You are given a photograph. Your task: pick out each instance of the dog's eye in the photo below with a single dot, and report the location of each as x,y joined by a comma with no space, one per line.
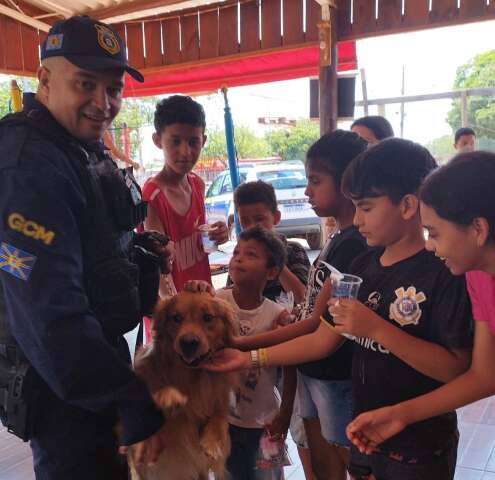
176,317
207,317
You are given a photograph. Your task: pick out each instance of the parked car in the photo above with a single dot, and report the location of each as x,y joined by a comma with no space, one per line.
289,181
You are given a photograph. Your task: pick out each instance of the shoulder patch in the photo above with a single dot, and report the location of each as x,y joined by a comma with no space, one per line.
17,222
15,261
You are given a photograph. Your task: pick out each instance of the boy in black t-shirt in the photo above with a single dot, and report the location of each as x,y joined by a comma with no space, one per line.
412,323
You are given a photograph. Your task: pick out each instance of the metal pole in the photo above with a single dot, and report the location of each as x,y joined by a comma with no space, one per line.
464,109
365,92
229,138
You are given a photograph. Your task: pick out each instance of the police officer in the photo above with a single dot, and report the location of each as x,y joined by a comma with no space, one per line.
73,276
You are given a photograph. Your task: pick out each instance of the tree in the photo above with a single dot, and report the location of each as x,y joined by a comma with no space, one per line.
248,144
479,72
294,142
135,113
442,148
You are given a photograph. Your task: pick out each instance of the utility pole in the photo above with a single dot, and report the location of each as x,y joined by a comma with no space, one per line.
364,88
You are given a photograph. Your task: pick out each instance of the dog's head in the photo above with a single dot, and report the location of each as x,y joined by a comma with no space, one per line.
195,325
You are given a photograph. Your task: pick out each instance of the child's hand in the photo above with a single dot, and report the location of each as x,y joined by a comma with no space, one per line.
228,360
199,286
371,428
240,343
279,426
219,232
354,318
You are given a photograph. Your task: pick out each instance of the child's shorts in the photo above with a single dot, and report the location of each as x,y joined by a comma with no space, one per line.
440,466
330,402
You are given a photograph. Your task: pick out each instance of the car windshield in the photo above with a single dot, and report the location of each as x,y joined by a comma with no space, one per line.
284,179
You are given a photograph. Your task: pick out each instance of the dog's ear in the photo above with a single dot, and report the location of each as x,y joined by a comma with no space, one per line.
160,314
227,313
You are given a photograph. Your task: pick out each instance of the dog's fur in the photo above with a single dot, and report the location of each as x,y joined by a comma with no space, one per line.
187,329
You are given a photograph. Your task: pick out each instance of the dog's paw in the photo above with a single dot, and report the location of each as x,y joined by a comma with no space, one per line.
169,398
212,447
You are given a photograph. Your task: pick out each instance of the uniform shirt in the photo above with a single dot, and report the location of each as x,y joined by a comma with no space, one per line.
420,296
481,287
190,260
339,251
297,262
42,207
255,402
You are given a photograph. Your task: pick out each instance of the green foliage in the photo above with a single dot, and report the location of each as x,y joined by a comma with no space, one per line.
479,72
293,143
247,143
135,113
442,148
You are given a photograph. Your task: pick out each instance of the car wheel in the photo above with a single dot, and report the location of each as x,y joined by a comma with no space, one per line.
314,240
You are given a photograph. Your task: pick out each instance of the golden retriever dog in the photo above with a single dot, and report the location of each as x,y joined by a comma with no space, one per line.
187,329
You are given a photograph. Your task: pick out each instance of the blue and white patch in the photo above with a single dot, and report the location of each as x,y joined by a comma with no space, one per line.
54,41
15,261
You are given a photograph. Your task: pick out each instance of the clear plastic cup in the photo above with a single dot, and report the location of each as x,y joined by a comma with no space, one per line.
209,246
345,285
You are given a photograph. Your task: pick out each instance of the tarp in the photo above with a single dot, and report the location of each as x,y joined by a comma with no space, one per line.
252,69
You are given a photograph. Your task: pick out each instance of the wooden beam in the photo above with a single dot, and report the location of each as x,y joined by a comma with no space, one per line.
328,102
144,8
16,15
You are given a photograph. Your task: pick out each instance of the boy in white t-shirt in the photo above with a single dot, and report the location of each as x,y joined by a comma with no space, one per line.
258,257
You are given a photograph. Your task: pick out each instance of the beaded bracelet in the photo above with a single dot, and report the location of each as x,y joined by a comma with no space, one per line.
255,363
259,358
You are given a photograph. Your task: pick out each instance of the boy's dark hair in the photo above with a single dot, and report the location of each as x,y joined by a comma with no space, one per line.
393,167
179,109
464,189
380,126
274,247
463,131
333,152
255,192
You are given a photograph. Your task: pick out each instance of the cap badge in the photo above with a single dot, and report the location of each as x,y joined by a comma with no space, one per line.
107,39
54,41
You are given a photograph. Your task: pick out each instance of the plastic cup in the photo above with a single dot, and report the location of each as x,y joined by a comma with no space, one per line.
209,246
345,285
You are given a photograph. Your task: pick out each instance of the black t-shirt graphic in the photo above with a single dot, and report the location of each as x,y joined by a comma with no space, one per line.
339,251
422,297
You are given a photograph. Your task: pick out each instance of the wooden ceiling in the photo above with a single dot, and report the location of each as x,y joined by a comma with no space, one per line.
162,33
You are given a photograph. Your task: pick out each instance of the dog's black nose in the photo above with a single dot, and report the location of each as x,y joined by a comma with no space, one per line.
189,345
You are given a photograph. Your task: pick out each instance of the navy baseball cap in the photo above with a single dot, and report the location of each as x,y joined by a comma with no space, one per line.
89,44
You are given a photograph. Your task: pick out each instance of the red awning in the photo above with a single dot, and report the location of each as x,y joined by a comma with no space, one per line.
249,70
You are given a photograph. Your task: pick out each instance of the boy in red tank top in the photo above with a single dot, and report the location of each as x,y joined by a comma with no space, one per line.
176,195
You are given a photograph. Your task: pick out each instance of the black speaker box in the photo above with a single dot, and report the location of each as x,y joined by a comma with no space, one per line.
346,97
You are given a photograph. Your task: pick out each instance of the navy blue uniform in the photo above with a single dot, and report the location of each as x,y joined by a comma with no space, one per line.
46,219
